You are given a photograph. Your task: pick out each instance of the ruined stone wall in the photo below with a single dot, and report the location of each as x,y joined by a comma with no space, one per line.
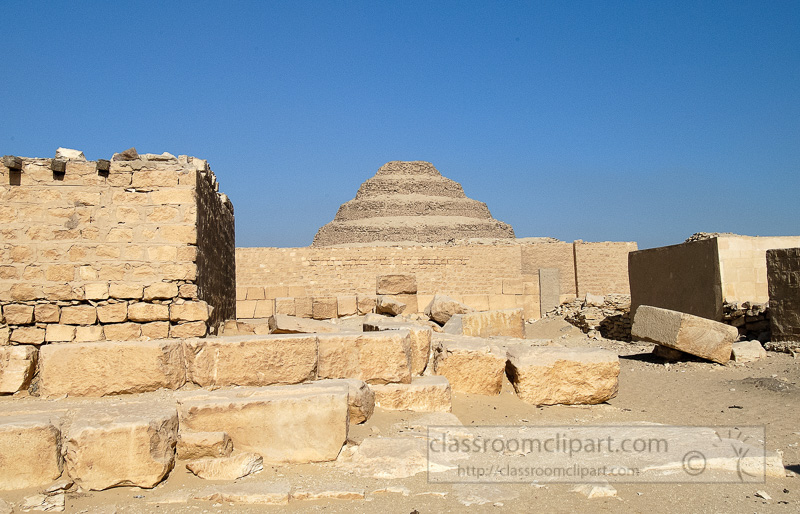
106,250
783,272
602,268
743,265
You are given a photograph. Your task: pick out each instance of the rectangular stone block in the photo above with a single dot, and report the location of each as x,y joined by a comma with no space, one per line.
142,312
251,360
122,331
111,367
156,330
47,313
374,357
96,291
125,290
423,394
30,446
479,302
282,324
396,284
324,307
272,292
420,338
27,335
189,311
17,365
78,315
59,333
303,307
18,314
284,306
254,293
283,424
113,312
347,305
160,291
507,322
245,309
549,290
690,334
264,309
470,364
366,304
89,333
188,329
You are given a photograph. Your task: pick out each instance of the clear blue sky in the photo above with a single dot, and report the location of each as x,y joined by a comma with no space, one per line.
637,121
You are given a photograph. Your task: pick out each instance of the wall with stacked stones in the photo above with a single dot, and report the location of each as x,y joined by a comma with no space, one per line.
105,250
783,272
743,265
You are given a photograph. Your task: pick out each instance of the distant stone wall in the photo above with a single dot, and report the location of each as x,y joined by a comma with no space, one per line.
112,250
783,273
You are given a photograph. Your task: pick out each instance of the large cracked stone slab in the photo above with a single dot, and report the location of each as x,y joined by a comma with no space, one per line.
30,451
423,394
110,367
17,365
680,331
374,357
547,375
508,322
420,339
285,324
283,424
251,360
121,445
470,364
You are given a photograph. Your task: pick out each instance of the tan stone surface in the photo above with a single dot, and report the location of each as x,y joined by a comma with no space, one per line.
125,290
361,397
142,312
27,335
227,468
156,330
508,322
284,306
396,284
198,445
748,351
59,333
111,367
420,339
47,313
89,333
78,315
324,307
188,329
283,324
253,493
366,304
547,375
375,357
30,451
122,331
342,492
189,311
17,365
442,308
147,432
347,305
470,364
18,314
389,305
281,423
113,313
160,291
423,394
251,360
690,334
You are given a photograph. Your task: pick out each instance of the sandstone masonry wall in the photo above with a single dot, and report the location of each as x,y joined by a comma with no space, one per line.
111,250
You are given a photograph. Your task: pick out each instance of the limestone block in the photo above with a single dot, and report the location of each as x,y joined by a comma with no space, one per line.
420,339
748,351
125,290
389,305
508,322
245,309
264,309
188,329
366,304
143,312
478,302
374,357
94,442
411,303
17,365
18,314
89,333
113,312
111,367
303,307
283,324
251,360
59,333
227,468
156,330
324,307
5,335
247,493
471,365
284,306
78,315
122,331
347,305
160,291
361,397
70,154
254,293
27,335
690,334
289,424
187,291
197,445
47,313
547,375
96,291
443,307
423,394
30,451
189,311
396,284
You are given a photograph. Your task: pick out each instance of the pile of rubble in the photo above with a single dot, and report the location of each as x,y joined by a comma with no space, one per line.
607,315
752,319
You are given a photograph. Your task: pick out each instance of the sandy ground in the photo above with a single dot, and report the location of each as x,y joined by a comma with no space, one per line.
684,393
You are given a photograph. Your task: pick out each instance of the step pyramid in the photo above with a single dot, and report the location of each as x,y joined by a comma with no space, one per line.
409,202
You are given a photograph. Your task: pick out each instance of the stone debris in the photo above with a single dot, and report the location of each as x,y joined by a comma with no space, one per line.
374,357
690,334
405,491
251,493
128,155
591,491
69,154
569,376
44,503
470,364
197,445
329,493
284,324
392,458
388,305
423,394
396,284
607,315
509,322
420,338
442,308
33,443
226,468
5,508
748,351
17,366
361,397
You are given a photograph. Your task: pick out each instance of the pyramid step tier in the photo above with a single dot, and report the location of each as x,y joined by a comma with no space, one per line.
411,205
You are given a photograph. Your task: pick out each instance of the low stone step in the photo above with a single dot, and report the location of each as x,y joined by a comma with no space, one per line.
420,338
374,357
423,394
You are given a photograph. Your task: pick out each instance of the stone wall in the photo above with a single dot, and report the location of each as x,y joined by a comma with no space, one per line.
783,273
112,250
483,276
743,265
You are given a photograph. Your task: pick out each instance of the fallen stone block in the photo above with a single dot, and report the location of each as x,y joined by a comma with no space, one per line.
17,365
389,305
508,322
423,394
374,357
545,375
471,365
442,308
108,368
252,493
283,324
30,451
197,445
690,334
420,339
396,284
44,502
361,397
227,468
748,351
251,360
122,445
366,304
289,424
